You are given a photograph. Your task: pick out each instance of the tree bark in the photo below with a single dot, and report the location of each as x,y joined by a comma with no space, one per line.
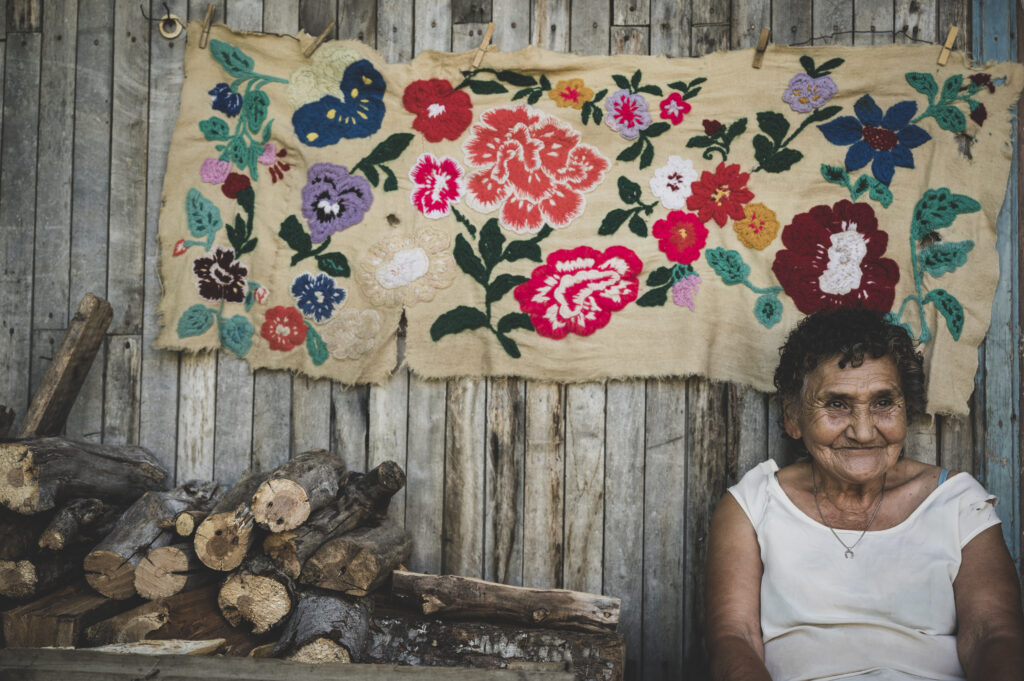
133,625
325,627
358,562
40,574
257,595
80,521
195,614
223,539
59,618
468,598
168,570
18,534
38,475
306,483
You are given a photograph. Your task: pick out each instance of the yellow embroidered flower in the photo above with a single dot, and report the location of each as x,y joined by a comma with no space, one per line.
758,227
571,92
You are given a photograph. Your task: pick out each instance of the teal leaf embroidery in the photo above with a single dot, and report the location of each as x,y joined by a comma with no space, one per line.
215,129
195,321
236,334
950,308
729,265
315,345
944,257
203,217
231,59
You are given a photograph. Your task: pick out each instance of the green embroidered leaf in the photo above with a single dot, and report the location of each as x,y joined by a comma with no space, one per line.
944,256
656,129
631,152
774,125
502,284
659,277
391,183
491,241
203,216
509,346
621,81
254,110
231,59
808,65
460,319
923,83
522,250
214,129
950,118
534,97
829,66
517,79
878,191
823,114
782,160
246,198
236,233
635,80
521,94
950,308
315,345
937,209
266,131
195,321
647,157
768,310
598,114
237,152
466,259
545,84
656,297
728,265
486,87
585,112
513,321
862,184
651,90
334,264
236,334
835,174
253,163
763,149
246,247
699,142
388,150
293,235
600,95
736,129
629,191
250,299
613,221
637,225
951,88
371,174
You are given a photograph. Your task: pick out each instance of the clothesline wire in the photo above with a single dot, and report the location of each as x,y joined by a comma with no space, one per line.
903,32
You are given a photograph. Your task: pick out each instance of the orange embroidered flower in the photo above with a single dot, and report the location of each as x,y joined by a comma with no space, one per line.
571,92
758,227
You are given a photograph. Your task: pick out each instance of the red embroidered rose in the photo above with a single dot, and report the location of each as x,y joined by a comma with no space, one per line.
577,290
720,195
711,127
681,236
532,166
234,184
441,112
833,258
283,328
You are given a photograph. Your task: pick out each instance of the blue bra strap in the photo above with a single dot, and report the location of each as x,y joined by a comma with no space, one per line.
942,476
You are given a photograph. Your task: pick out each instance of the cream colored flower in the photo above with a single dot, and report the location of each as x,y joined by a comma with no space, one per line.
321,76
352,333
403,270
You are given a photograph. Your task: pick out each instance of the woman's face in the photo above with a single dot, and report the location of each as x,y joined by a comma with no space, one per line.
853,421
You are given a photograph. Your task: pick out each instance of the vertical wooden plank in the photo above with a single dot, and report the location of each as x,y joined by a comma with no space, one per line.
17,215
197,412
917,18
956,443
350,424
463,544
590,25
434,25
550,24
584,486
747,431
467,36
922,440
395,27
122,389
511,24
425,474
25,16
665,502
833,22
670,23
244,15
955,13
315,16
503,478
544,485
747,20
631,12
45,343
282,16
711,25
791,22
388,427
877,17
357,20
471,11
629,39
311,414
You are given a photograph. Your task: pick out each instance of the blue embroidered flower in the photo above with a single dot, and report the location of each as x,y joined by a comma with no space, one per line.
317,297
356,112
885,141
226,100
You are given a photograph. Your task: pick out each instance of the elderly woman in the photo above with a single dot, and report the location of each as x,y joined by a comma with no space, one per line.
856,562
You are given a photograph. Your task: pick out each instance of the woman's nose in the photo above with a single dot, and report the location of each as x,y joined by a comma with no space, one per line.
862,425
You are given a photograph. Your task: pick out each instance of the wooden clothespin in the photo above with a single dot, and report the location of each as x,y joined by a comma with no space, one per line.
762,45
948,46
204,37
482,50
308,52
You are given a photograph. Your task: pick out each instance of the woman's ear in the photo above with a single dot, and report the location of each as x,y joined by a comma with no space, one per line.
790,420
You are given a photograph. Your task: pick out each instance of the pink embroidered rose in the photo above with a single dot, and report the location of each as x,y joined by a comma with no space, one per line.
576,291
439,183
214,171
532,166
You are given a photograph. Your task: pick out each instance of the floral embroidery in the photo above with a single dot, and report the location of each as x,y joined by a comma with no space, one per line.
405,270
630,193
214,170
684,291
317,296
311,81
681,236
274,157
226,100
833,258
865,183
673,108
439,184
571,92
627,114
333,200
441,112
717,137
220,276
234,184
729,266
261,294
353,333
942,105
679,279
283,328
672,182
758,227
720,195
179,248
884,141
531,165
357,113
805,93
576,291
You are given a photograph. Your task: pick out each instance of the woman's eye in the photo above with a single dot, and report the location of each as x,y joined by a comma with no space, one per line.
835,404
883,403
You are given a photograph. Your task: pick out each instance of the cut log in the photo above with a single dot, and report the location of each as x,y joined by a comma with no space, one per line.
40,574
223,539
257,596
132,625
186,522
110,566
358,562
195,614
168,570
362,499
60,618
38,475
306,483
468,598
18,534
80,521
67,371
325,627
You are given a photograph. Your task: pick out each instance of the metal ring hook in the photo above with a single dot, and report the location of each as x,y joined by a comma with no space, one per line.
170,24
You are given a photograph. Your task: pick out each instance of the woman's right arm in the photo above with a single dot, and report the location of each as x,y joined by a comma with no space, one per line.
734,597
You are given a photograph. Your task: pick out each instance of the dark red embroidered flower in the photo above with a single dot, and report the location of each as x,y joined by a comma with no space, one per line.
833,258
984,80
283,328
681,236
441,112
220,276
234,184
711,127
720,195
576,291
979,114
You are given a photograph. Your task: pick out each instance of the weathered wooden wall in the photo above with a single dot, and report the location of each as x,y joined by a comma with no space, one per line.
603,487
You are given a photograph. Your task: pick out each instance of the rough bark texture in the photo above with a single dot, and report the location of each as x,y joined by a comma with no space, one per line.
133,625
257,596
38,475
358,562
361,499
18,534
110,566
325,627
468,598
80,521
40,574
60,618
168,570
195,614
223,539
306,483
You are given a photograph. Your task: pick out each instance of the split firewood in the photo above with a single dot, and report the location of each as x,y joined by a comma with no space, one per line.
60,618
195,614
468,598
41,474
133,625
306,483
168,570
38,575
257,596
358,562
110,566
223,539
362,499
186,522
80,521
325,627
168,647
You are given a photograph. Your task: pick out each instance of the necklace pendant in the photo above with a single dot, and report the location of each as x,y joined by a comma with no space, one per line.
849,553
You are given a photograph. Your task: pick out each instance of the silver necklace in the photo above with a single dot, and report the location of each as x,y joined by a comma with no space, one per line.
849,549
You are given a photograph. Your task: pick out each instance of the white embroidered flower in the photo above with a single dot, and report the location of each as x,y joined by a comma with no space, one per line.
352,333
404,269
672,182
843,272
321,76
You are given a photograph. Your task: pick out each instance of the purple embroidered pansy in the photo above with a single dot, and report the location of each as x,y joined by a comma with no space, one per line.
627,114
317,296
226,100
805,93
883,140
220,276
357,113
333,200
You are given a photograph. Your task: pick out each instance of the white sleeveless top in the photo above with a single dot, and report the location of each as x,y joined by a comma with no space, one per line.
886,614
